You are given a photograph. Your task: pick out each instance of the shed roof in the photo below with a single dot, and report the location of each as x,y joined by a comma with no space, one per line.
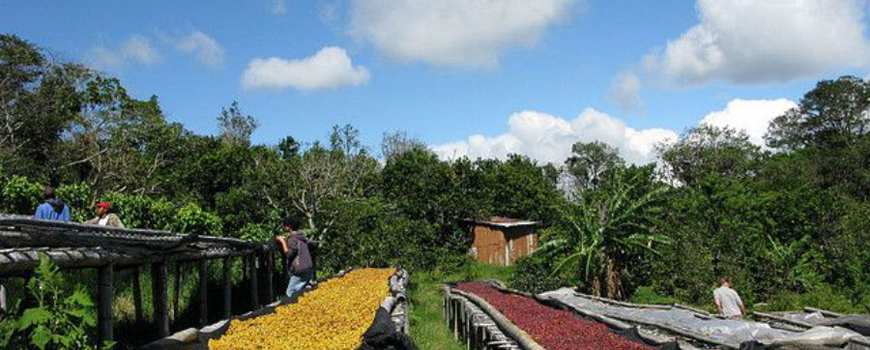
499,221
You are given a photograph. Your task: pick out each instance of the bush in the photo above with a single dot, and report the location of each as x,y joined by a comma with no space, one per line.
141,211
533,274
57,321
21,196
257,232
192,219
822,297
78,198
648,295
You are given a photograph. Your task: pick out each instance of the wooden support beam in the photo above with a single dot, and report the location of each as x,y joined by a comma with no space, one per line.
228,297
105,297
137,294
252,265
203,292
159,294
269,264
176,291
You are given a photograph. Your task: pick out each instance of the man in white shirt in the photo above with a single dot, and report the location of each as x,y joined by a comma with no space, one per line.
727,300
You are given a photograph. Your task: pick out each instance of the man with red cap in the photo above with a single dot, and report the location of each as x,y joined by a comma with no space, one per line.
104,217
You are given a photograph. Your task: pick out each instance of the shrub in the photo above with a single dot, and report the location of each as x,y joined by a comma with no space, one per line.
141,211
192,219
21,196
78,197
533,274
58,321
648,295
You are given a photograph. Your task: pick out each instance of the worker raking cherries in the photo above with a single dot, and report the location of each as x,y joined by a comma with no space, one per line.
332,317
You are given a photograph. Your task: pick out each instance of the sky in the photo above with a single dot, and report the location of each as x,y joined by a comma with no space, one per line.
477,78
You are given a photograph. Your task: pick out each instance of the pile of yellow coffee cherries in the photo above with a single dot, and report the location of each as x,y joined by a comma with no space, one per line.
332,317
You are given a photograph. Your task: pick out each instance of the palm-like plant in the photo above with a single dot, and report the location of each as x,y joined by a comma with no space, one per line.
603,227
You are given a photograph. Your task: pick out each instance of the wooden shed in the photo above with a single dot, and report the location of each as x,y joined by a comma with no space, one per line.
501,241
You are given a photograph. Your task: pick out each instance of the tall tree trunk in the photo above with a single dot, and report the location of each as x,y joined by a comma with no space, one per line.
614,279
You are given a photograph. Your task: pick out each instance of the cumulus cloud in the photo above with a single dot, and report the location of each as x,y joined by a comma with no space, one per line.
207,50
328,68
755,41
459,33
752,116
625,91
137,50
548,138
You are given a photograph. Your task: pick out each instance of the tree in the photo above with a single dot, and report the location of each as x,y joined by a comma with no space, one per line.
832,115
399,142
589,160
309,181
706,150
600,229
235,126
38,98
344,139
288,147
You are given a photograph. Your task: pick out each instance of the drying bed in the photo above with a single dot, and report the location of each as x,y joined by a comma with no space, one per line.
333,316
551,328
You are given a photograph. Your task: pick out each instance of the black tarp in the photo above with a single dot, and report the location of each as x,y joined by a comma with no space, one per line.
382,335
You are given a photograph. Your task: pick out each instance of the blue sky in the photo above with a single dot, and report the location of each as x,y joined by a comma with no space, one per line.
529,77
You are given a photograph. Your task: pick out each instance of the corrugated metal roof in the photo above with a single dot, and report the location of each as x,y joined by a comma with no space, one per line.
504,222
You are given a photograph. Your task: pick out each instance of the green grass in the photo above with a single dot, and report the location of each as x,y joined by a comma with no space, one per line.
428,327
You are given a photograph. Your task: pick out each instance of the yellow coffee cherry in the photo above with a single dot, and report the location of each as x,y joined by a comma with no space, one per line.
332,317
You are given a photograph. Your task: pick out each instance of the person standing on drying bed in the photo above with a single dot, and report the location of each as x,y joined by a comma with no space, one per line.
299,261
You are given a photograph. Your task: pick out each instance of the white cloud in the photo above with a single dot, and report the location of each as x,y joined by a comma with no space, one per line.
137,49
462,33
625,91
752,116
548,138
754,41
105,59
207,50
328,68
279,7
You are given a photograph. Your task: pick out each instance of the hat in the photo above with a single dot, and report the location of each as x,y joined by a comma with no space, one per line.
104,205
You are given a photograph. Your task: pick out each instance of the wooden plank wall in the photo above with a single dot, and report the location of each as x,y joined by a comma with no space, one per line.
502,246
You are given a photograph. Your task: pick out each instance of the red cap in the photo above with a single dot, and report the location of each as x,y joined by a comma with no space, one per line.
104,205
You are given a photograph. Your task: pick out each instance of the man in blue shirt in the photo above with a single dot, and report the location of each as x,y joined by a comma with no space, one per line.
52,208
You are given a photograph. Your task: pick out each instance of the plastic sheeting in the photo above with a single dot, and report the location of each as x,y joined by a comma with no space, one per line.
730,333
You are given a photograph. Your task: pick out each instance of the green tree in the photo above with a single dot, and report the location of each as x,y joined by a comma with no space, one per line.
589,161
707,150
600,229
235,126
832,115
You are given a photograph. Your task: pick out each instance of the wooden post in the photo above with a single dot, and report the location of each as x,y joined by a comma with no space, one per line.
158,291
137,294
269,263
252,265
228,298
104,307
176,290
203,290
285,272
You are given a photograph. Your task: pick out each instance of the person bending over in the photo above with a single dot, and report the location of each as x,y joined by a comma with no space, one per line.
300,264
728,302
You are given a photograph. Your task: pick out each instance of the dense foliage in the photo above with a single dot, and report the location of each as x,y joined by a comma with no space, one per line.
77,129
787,221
